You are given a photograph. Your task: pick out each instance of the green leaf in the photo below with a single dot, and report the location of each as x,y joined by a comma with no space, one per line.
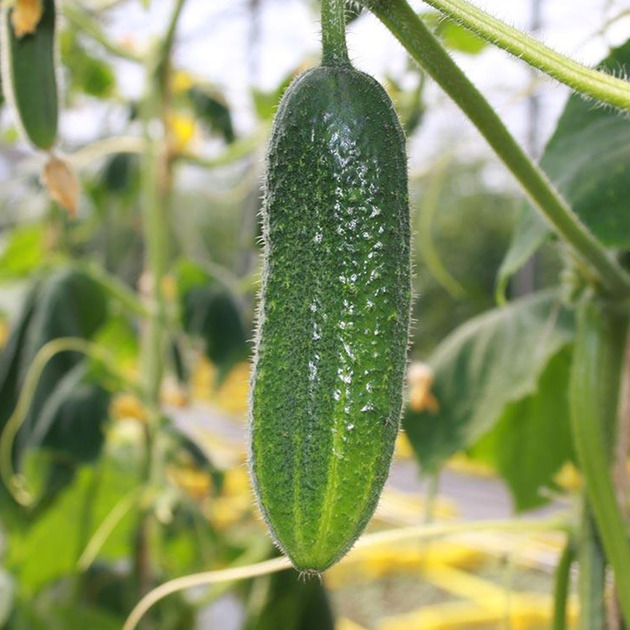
188,276
588,159
532,440
210,312
88,74
118,335
65,304
266,103
71,423
23,251
212,109
530,232
488,363
453,35
458,38
121,175
49,548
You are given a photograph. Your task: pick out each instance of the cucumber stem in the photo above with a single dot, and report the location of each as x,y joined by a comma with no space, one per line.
589,82
334,49
423,46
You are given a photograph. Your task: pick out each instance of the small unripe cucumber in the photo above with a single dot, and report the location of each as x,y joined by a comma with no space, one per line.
29,76
334,314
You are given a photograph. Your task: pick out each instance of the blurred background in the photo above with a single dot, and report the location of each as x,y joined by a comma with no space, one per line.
75,560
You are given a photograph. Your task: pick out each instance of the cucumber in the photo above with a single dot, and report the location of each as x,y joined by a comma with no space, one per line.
333,318
29,76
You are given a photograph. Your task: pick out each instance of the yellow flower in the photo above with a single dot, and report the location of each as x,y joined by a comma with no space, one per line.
125,406
182,131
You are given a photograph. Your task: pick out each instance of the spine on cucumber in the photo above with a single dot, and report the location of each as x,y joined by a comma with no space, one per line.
334,314
29,76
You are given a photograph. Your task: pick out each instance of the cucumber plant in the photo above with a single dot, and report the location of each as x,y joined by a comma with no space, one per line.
334,314
528,386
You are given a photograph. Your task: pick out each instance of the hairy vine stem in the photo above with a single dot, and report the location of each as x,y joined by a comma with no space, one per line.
589,82
423,46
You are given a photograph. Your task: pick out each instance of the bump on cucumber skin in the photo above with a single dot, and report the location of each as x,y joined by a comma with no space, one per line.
333,320
30,79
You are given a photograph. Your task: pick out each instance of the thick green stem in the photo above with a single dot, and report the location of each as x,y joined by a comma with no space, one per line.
593,397
591,83
422,45
562,586
156,185
335,51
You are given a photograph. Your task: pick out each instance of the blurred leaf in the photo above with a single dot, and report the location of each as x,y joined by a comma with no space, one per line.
73,616
530,232
266,103
50,547
188,276
108,590
88,74
210,312
212,109
286,600
532,440
65,304
453,35
121,174
71,423
23,252
68,304
458,38
587,158
10,359
120,338
486,364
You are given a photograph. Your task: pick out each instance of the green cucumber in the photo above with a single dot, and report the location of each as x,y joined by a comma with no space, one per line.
29,76
334,313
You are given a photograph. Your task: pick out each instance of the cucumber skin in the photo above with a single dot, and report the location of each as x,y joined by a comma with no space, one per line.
334,315
31,78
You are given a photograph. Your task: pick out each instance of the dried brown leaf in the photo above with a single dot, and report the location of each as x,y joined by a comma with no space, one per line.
62,184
